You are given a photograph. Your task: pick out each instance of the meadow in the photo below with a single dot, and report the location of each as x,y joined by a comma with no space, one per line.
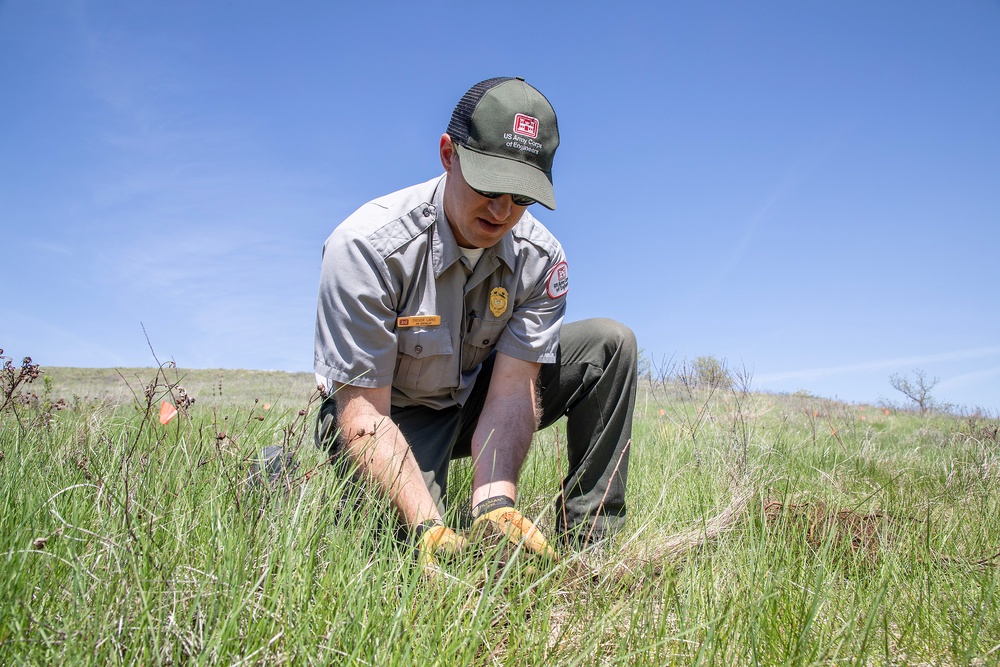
763,529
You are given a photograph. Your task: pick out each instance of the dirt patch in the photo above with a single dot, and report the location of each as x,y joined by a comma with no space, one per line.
868,534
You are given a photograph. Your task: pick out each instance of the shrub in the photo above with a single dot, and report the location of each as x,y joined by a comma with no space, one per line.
707,371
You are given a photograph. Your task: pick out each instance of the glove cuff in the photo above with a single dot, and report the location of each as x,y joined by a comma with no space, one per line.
490,504
421,528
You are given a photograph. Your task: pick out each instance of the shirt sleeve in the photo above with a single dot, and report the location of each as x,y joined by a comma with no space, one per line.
532,334
355,318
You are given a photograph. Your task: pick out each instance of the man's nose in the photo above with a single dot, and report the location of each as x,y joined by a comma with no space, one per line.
500,207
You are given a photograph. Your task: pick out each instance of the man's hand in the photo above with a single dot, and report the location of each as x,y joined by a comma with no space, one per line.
507,521
436,540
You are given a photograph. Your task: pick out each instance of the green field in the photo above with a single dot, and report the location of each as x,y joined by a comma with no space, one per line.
763,530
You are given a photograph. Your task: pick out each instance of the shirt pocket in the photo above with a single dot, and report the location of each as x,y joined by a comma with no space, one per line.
480,340
424,359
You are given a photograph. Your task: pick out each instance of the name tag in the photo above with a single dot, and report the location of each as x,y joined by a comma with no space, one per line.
419,321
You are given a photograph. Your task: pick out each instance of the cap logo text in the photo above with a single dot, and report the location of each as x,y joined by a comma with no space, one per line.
526,125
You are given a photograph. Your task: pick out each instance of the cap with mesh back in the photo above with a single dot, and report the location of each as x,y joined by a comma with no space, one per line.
508,135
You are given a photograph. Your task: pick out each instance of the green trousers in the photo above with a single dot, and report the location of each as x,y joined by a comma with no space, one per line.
592,384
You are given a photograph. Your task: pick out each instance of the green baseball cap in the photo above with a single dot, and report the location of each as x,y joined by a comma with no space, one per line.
508,136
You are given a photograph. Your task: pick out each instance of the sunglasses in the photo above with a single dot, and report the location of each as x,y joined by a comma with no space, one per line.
519,200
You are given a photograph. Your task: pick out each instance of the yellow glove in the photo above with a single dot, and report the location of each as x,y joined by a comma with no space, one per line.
435,540
507,521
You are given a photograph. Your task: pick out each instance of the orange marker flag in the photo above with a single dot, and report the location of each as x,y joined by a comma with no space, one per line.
167,412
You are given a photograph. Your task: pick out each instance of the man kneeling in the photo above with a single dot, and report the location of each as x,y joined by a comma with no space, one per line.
440,335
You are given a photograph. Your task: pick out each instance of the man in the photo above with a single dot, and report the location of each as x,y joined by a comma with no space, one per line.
439,335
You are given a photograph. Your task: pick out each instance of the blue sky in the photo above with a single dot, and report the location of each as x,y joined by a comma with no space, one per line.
807,190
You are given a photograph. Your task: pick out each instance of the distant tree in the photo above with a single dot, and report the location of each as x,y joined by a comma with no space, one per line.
918,390
645,365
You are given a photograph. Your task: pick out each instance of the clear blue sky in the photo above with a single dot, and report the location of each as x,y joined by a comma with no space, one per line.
807,190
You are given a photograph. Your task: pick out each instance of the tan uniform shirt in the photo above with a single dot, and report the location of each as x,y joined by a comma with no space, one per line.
396,260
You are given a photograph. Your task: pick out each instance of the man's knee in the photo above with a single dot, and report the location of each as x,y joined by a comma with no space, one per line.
623,338
615,338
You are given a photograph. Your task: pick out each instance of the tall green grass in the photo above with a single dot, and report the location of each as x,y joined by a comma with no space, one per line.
854,538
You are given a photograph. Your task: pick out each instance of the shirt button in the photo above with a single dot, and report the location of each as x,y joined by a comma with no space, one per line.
418,349
486,342
427,213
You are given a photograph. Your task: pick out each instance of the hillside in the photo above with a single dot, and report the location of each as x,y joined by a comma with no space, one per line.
208,386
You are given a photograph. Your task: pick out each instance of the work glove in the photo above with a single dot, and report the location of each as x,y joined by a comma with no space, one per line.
435,540
497,515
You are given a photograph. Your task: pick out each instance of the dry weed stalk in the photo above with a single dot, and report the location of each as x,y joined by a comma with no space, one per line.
670,548
659,550
13,377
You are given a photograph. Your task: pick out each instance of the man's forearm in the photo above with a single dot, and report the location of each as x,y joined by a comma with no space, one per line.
506,425
376,444
499,448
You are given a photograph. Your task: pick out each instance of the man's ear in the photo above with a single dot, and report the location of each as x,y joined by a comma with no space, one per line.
447,150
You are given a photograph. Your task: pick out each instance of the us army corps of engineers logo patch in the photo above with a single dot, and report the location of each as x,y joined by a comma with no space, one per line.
558,283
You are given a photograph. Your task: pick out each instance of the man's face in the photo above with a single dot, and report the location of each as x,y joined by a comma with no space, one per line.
476,221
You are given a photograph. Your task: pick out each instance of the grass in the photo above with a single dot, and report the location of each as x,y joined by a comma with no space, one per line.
762,530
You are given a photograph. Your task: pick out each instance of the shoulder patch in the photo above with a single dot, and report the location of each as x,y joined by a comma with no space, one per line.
557,283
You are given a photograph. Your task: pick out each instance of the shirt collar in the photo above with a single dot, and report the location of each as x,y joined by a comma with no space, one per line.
446,250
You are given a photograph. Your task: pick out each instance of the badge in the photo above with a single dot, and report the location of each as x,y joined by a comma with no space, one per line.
498,301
